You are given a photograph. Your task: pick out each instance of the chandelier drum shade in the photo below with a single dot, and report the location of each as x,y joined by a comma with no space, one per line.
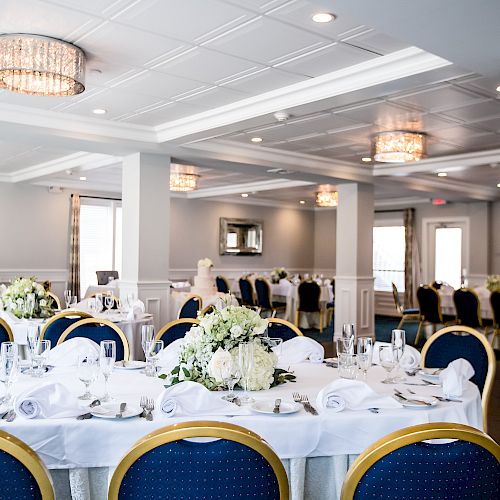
183,182
398,146
40,65
327,198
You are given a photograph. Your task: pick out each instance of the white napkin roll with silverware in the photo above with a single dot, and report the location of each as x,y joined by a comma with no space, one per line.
66,354
352,395
50,400
453,377
191,399
300,349
136,310
168,357
409,361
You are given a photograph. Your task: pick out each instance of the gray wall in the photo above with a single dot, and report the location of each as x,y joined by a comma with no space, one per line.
494,238
325,228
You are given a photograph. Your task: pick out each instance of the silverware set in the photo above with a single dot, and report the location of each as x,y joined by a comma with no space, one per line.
440,398
147,405
304,400
399,395
9,416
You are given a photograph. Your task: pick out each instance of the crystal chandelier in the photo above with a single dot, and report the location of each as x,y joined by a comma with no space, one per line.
40,65
327,199
398,146
183,182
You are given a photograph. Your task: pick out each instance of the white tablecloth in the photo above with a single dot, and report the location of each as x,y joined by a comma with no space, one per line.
448,306
69,443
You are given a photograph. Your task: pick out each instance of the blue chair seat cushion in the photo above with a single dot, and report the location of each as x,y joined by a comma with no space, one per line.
413,310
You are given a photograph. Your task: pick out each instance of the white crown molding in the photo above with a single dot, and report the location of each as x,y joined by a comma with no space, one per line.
260,202
393,66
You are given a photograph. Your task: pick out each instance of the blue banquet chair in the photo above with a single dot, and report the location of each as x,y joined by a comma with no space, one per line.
467,467
247,293
5,332
264,301
191,307
237,463
282,329
222,284
98,330
468,308
409,314
495,307
55,326
175,330
309,294
458,341
23,476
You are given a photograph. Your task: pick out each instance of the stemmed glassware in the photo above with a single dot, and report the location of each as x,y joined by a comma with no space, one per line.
107,360
30,304
33,338
153,348
40,352
88,370
387,362
398,342
99,302
109,301
245,361
72,301
365,354
275,344
230,378
92,304
345,343
9,358
147,335
67,298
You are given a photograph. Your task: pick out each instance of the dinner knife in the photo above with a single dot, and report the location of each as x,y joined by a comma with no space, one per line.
122,409
277,405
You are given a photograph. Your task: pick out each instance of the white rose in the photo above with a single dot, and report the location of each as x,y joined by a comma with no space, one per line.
236,331
43,303
220,366
193,336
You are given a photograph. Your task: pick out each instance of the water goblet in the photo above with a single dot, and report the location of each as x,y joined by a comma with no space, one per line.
99,302
9,365
67,297
387,362
88,370
109,302
40,353
72,301
153,348
92,304
398,342
33,336
230,378
365,354
348,338
30,304
147,335
107,358
245,361
275,344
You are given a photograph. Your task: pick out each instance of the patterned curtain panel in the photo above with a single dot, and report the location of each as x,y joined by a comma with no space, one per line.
74,248
412,259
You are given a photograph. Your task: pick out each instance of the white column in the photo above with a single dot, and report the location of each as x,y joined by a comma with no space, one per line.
354,297
146,231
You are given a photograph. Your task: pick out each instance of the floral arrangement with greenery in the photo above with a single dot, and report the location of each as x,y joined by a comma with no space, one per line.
26,298
278,273
493,283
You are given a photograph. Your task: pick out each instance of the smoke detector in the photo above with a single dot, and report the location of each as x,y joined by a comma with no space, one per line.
281,116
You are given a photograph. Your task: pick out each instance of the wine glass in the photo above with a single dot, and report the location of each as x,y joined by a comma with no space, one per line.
245,361
107,360
72,301
99,302
348,338
109,301
30,304
92,304
9,359
275,344
230,378
153,348
67,298
40,353
88,370
398,342
33,337
386,356
147,335
365,354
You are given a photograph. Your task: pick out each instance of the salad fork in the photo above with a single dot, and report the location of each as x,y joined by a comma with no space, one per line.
150,406
143,404
305,403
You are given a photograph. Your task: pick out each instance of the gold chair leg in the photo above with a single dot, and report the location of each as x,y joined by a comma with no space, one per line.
297,319
417,337
401,323
321,322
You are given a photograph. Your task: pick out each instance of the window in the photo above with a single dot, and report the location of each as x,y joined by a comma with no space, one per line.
100,239
448,256
389,257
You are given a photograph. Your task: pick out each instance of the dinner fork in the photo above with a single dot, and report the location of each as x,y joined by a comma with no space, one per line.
440,398
150,406
305,403
143,404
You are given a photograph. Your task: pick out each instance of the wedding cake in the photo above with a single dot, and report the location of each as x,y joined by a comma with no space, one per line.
204,283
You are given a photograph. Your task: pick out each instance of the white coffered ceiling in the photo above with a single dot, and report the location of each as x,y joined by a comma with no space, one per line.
196,79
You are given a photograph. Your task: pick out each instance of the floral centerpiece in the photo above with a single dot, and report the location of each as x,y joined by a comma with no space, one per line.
208,350
206,262
25,298
493,283
278,273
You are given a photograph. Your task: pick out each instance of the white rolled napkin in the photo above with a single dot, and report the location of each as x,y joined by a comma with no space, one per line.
50,400
66,354
168,357
136,310
453,377
300,349
409,361
352,395
193,399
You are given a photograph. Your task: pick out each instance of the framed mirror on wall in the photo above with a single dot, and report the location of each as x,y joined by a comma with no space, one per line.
240,236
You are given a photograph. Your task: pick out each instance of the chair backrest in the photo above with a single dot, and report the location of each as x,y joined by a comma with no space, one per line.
397,300
175,330
263,291
191,307
247,293
103,276
457,341
236,464
56,303
23,475
467,307
495,307
309,293
5,332
98,330
207,310
222,284
467,467
55,326
282,329
429,304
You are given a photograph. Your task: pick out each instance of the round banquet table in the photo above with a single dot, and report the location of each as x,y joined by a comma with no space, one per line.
316,450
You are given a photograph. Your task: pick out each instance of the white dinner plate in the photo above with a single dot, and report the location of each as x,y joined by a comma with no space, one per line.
267,406
410,404
130,365
109,410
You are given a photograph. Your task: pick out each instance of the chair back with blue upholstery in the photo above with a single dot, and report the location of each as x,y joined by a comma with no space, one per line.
468,308
55,326
175,330
458,341
235,464
247,293
309,294
263,291
222,284
495,307
468,467
5,332
98,330
429,304
103,276
191,307
23,476
282,329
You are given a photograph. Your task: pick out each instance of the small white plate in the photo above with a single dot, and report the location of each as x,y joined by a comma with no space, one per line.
109,410
130,365
413,406
267,406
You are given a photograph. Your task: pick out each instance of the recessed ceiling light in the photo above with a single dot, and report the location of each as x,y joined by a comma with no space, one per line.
69,172
366,159
498,88
244,195
442,174
83,178
99,111
302,202
323,17
256,139
498,185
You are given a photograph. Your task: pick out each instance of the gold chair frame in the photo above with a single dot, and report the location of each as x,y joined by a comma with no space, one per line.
188,298
320,311
290,325
29,458
95,321
272,308
164,329
8,329
411,435
208,309
188,430
404,317
490,376
55,298
60,315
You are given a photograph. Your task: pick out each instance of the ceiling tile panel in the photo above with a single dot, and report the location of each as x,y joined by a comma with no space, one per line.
214,97
165,113
476,112
376,42
380,113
